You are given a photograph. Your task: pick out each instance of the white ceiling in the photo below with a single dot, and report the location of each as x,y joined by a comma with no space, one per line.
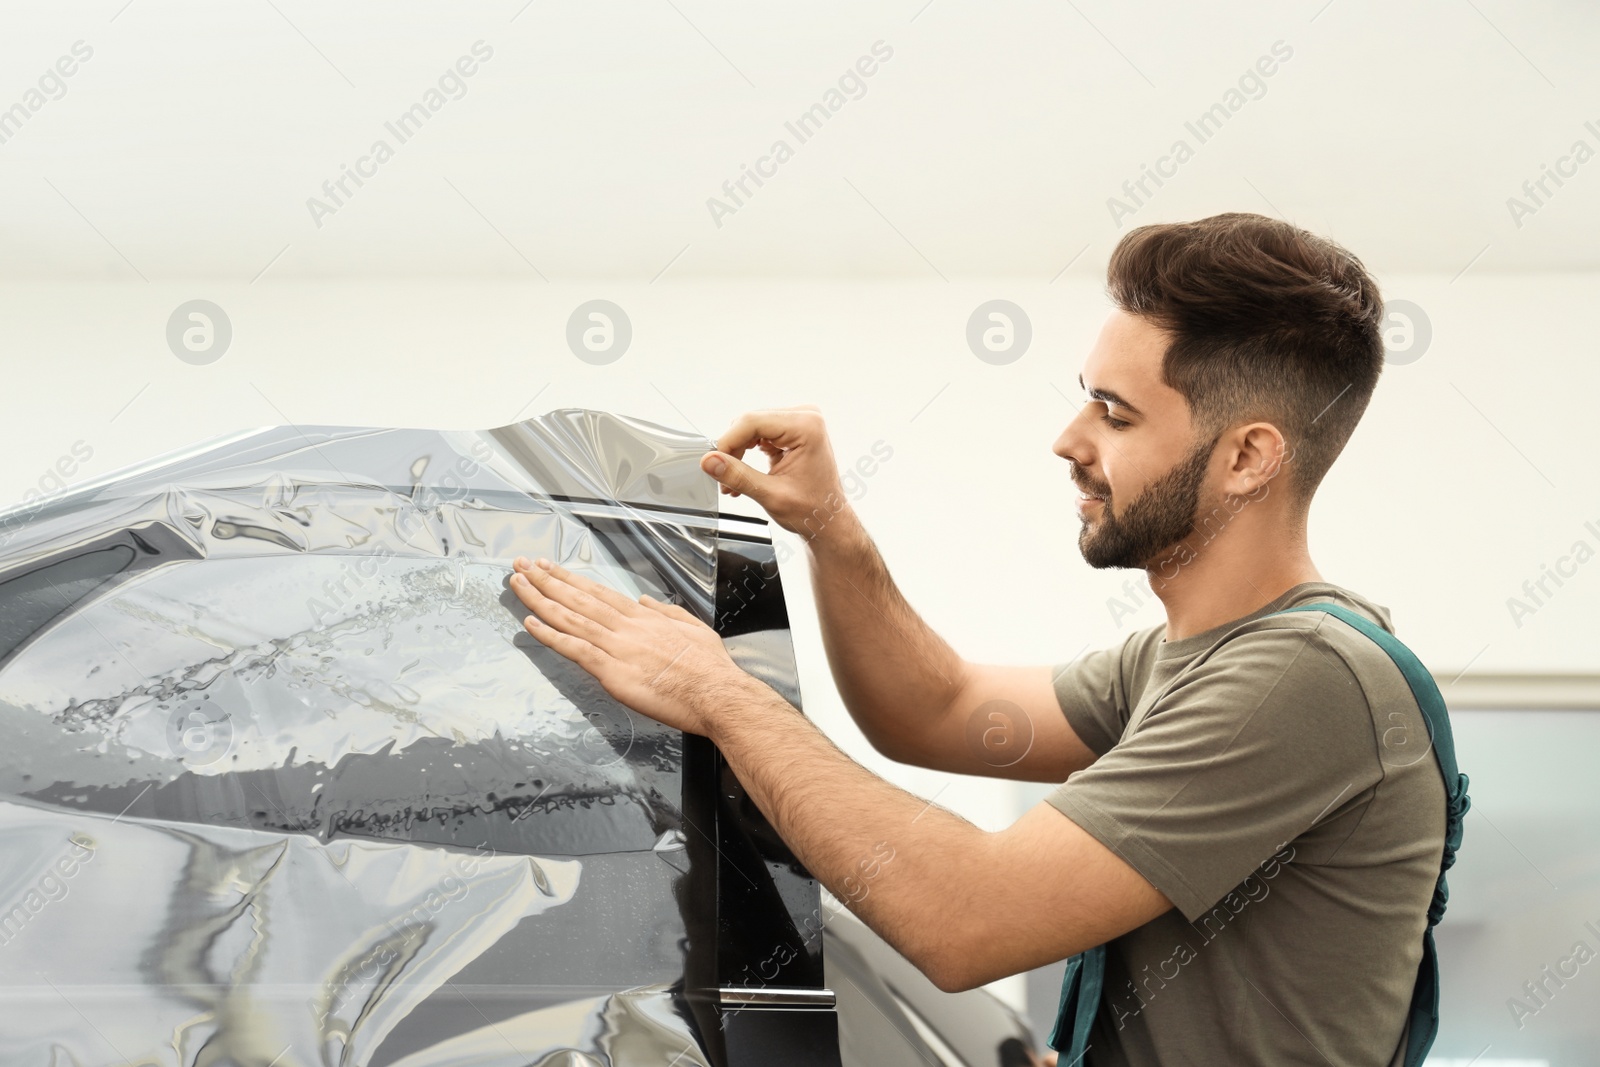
588,146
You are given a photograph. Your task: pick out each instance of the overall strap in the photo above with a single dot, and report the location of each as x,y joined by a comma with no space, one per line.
1084,980
1081,986
1424,1019
1422,685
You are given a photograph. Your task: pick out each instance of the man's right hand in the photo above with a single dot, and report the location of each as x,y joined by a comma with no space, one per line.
801,489
914,698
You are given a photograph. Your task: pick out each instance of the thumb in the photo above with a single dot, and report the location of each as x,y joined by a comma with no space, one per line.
735,474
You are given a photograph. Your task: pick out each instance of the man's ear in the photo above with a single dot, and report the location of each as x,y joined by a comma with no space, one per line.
1261,451
1278,453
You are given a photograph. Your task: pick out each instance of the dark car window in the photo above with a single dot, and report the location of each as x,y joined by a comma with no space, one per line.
284,781
241,688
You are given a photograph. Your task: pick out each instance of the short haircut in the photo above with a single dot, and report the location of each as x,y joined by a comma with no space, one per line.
1268,322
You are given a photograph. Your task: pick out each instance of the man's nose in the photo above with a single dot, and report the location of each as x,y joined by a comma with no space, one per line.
1073,443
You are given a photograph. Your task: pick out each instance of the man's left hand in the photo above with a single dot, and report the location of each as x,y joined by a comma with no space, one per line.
654,657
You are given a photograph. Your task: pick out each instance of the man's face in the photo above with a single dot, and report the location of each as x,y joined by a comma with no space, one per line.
1131,445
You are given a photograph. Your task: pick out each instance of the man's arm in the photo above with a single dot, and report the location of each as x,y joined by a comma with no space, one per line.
913,697
965,905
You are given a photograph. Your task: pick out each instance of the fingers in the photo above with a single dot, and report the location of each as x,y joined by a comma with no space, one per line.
556,615
565,607
777,431
783,427
736,476
582,594
574,648
673,611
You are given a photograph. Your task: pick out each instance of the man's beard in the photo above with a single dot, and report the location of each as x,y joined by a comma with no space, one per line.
1156,521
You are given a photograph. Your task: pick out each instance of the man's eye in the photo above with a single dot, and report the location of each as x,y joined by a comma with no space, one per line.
1115,424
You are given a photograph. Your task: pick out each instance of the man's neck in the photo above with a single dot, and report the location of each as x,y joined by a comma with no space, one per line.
1226,583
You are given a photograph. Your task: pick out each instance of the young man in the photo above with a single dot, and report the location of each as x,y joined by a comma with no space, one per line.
1250,820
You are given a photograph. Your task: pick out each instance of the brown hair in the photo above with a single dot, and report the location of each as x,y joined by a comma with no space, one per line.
1268,322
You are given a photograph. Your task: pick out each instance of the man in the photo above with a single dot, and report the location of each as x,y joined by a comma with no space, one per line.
1250,819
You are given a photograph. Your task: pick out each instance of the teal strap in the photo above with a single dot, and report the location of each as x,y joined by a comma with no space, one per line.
1084,980
1417,676
1080,999
1425,994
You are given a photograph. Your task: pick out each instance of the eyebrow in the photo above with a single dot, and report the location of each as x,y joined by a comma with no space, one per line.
1110,397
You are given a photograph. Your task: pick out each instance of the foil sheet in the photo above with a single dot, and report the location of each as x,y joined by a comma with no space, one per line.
286,783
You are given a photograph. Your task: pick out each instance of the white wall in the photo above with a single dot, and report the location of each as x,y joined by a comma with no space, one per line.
1472,468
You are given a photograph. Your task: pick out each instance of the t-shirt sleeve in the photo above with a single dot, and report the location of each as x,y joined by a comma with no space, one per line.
1249,749
1093,695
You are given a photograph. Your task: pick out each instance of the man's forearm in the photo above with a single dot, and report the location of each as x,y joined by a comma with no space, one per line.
890,668
912,871
958,901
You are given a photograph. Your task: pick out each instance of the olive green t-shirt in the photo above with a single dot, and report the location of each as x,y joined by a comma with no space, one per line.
1273,779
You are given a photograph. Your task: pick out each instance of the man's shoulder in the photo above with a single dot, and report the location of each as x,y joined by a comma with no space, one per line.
1293,654
1262,633
1263,630
1311,667
1326,668
1365,657
1306,594
1311,593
